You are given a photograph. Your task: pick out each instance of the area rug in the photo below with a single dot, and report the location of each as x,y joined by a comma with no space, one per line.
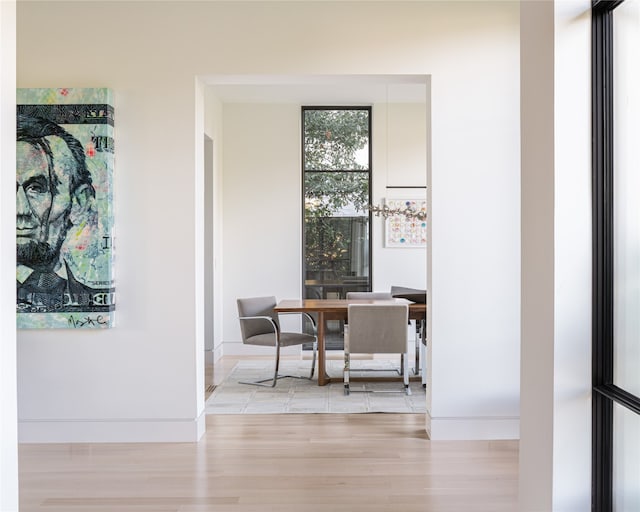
305,396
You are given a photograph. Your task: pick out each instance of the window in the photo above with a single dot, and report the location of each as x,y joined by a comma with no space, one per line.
616,256
336,166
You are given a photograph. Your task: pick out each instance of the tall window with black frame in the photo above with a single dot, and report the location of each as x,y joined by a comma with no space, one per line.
336,167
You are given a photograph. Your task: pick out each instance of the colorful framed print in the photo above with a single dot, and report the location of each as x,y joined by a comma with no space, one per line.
402,231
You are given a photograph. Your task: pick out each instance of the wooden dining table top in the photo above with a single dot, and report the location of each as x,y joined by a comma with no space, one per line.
341,306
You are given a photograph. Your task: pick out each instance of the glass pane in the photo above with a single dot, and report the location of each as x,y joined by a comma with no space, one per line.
626,460
336,140
336,233
626,236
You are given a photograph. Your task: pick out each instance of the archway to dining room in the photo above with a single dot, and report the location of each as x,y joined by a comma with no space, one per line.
256,173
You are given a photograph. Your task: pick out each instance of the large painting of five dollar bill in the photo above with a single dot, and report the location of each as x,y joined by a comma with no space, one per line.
64,208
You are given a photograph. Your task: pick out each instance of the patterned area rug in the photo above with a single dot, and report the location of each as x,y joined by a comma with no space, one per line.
305,396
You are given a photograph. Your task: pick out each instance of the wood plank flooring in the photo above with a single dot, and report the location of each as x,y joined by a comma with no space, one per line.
284,463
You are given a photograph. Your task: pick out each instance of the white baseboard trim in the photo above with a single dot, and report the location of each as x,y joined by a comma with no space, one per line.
112,431
476,428
217,353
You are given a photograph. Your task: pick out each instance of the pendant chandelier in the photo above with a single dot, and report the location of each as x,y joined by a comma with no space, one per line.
407,212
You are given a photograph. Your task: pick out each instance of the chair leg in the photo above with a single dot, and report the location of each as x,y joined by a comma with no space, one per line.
274,379
405,374
271,383
313,361
418,342
423,352
400,370
423,364
347,362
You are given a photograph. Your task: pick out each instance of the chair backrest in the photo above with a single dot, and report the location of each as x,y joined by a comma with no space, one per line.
256,306
377,328
369,295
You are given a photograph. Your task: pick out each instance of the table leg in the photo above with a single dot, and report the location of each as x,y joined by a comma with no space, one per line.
323,378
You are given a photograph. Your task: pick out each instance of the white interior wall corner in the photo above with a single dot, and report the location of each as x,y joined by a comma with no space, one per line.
213,129
536,392
8,386
572,242
555,447
199,131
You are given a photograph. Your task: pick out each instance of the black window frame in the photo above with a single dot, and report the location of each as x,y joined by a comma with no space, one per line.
369,109
605,392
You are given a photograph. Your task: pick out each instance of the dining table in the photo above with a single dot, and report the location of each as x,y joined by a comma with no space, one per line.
337,309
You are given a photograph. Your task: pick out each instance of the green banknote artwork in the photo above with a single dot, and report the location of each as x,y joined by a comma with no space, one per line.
64,208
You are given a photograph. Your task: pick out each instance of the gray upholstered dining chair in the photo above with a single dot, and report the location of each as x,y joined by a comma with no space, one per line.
260,325
376,329
375,296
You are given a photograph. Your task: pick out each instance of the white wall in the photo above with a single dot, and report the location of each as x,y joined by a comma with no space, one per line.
399,159
209,231
555,445
139,380
626,470
197,357
262,210
213,130
8,413
475,213
538,271
572,287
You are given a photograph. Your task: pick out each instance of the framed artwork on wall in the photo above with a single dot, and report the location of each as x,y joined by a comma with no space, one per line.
64,208
402,231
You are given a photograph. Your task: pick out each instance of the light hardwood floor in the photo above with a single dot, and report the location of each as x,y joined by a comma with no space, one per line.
284,463
287,463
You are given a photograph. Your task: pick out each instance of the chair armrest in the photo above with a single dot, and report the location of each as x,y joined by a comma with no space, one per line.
266,318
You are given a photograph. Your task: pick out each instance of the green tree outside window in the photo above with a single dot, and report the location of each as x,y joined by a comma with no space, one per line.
336,190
